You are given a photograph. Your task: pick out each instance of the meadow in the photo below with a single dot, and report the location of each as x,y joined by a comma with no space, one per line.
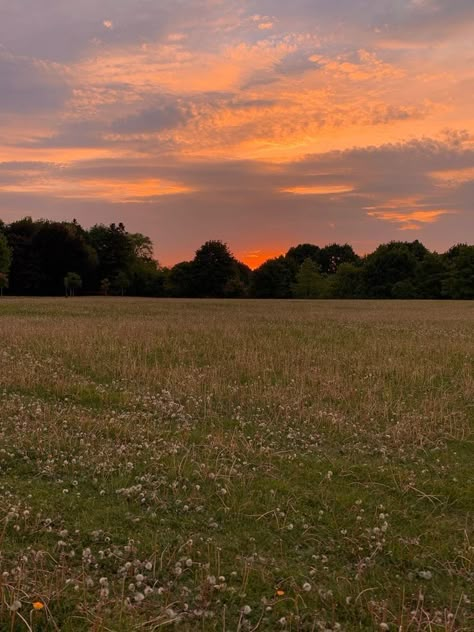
236,465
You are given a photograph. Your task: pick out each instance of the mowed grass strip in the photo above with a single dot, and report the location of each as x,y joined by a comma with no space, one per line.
236,465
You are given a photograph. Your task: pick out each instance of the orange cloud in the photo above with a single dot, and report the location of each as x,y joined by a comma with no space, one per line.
409,220
322,189
453,177
118,191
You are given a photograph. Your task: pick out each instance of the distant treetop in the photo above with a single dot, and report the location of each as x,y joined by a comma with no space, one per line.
44,257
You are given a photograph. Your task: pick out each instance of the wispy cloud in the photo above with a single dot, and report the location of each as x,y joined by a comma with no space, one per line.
254,122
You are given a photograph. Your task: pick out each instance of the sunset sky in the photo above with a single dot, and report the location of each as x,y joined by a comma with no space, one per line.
264,123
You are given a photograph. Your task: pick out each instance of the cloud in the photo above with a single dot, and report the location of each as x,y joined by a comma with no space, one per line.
30,85
429,21
264,123
320,190
409,220
153,119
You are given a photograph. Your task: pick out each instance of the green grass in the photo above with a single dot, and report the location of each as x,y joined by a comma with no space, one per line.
258,465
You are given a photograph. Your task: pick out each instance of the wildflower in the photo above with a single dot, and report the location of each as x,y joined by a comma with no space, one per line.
246,609
280,593
306,587
38,605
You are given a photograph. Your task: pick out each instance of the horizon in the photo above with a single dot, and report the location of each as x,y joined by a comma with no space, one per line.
256,259
258,123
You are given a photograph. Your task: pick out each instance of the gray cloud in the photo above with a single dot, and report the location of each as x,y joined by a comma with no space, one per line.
296,63
153,119
30,85
246,202
228,196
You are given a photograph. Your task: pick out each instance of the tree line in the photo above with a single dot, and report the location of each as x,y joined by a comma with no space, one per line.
52,258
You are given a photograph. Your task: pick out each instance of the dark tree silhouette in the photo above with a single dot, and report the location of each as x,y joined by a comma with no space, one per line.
36,257
213,269
274,278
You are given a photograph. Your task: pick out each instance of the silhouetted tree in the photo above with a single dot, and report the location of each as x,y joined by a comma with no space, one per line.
5,254
36,257
238,286
332,256
300,253
142,246
147,279
60,247
25,272
346,282
430,274
213,268
309,282
459,280
274,278
115,249
390,264
179,281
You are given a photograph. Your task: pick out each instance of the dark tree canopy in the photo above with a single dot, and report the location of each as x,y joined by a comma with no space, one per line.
459,280
213,268
274,278
300,253
309,281
389,265
36,257
331,257
5,254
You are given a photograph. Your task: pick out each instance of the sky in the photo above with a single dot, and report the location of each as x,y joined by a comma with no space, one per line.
263,123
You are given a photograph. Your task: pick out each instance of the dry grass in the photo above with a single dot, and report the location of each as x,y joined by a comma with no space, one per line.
236,465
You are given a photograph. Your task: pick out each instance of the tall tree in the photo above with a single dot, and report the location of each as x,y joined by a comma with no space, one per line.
60,247
213,268
25,273
115,249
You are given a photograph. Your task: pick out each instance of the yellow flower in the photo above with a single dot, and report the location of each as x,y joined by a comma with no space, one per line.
38,605
280,593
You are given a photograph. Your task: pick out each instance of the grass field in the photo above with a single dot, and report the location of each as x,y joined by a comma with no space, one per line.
219,465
